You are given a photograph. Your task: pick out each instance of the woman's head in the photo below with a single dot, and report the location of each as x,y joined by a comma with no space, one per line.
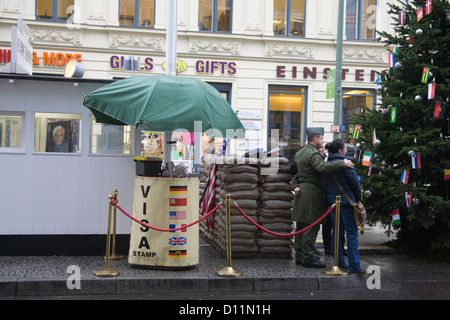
337,146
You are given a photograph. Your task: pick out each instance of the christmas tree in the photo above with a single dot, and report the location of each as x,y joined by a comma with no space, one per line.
405,141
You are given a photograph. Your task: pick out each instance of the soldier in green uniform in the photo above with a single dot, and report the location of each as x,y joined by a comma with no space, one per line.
309,202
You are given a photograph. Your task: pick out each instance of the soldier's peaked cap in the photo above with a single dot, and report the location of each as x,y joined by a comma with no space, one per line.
314,131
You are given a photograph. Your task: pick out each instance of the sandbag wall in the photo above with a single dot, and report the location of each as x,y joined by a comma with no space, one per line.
265,199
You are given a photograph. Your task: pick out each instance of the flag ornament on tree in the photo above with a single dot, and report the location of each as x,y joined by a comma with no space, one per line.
439,109
428,7
415,160
425,75
419,14
408,198
393,114
405,176
356,131
396,217
431,90
402,17
366,158
447,173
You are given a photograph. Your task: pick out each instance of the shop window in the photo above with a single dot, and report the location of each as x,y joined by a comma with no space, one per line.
57,132
289,17
12,131
54,10
215,15
360,19
286,114
353,102
110,139
137,13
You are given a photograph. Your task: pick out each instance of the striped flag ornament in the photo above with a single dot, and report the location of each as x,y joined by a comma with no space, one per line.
415,159
396,217
439,109
366,158
408,198
391,60
431,90
402,17
405,176
356,131
447,173
425,75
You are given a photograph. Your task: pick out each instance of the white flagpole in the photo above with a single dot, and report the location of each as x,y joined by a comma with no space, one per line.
171,63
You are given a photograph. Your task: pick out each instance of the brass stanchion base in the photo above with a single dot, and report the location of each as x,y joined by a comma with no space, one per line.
334,271
229,272
116,257
106,273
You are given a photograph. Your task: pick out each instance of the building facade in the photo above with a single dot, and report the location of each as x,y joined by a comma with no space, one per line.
269,58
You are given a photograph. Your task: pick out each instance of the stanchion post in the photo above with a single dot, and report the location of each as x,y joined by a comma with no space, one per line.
115,256
335,270
107,272
228,271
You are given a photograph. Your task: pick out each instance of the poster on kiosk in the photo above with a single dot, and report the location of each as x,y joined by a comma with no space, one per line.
165,203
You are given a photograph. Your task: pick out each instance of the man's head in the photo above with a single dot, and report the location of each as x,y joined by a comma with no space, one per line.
58,135
315,136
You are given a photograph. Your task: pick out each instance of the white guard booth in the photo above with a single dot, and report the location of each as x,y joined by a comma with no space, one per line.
165,203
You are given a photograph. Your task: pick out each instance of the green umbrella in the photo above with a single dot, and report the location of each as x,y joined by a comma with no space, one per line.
163,103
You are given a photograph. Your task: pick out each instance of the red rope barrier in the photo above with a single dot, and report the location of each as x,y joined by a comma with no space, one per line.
115,203
283,234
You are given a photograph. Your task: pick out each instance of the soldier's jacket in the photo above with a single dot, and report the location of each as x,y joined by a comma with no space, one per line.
310,204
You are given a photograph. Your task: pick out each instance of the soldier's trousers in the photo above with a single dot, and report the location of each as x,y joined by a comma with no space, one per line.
304,243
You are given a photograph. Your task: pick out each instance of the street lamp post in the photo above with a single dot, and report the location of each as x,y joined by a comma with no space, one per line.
338,79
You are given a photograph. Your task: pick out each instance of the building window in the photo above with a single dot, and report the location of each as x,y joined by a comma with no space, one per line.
12,131
353,102
137,13
360,19
54,10
110,139
289,17
287,115
215,15
57,132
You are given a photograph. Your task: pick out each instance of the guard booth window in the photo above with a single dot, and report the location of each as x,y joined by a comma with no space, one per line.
286,114
57,132
137,13
54,10
110,139
11,131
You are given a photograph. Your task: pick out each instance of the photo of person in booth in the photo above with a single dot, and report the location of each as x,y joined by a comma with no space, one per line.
58,137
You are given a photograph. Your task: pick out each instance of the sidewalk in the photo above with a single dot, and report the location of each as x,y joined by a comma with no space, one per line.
41,276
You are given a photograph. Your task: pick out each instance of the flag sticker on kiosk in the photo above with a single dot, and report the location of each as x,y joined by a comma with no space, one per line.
177,202
177,241
177,253
178,189
177,215
176,226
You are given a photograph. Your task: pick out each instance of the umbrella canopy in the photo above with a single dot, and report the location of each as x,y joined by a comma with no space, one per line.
163,103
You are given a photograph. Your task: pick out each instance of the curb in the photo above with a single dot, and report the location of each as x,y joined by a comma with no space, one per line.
118,286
